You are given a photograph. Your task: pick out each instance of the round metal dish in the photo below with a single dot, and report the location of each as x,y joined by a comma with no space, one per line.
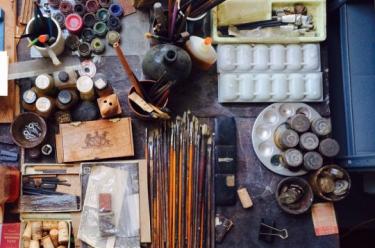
264,128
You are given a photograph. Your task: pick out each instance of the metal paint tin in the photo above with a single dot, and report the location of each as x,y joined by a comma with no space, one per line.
286,138
321,126
299,122
308,141
329,148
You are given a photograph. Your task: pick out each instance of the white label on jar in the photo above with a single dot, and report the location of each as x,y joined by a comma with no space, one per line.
85,84
43,81
43,104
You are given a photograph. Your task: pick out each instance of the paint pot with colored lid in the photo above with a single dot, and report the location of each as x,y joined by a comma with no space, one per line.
74,23
72,42
112,37
102,15
79,8
321,126
65,79
92,6
88,34
102,86
66,99
285,138
29,98
44,85
44,106
299,123
85,86
116,10
100,29
84,50
66,7
114,23
105,3
97,46
89,20
60,18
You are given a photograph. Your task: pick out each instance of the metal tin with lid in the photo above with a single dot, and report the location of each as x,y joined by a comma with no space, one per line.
312,161
66,99
299,122
286,138
308,141
329,147
321,126
293,159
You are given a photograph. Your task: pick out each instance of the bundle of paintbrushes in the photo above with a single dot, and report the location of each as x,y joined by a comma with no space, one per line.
170,26
179,156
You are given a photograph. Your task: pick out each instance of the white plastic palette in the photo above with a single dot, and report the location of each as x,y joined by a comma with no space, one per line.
247,87
264,128
274,73
273,58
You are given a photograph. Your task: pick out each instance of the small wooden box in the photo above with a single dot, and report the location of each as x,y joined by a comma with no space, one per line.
93,140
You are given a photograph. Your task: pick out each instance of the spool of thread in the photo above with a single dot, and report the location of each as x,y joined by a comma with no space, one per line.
321,126
312,161
85,86
308,141
100,29
92,6
113,37
74,23
79,8
44,85
72,42
329,148
44,106
54,3
114,23
105,3
88,34
299,123
89,20
84,50
66,7
60,18
63,233
116,10
102,15
28,100
97,46
293,159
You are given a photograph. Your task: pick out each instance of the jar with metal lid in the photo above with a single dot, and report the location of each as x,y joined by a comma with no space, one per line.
65,79
44,85
329,148
102,86
66,99
321,126
285,138
299,123
308,141
29,98
293,159
44,106
85,86
312,161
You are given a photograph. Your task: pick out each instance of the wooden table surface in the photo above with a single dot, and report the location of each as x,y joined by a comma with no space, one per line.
199,94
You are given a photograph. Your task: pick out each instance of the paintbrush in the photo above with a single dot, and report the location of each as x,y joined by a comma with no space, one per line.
210,4
174,18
